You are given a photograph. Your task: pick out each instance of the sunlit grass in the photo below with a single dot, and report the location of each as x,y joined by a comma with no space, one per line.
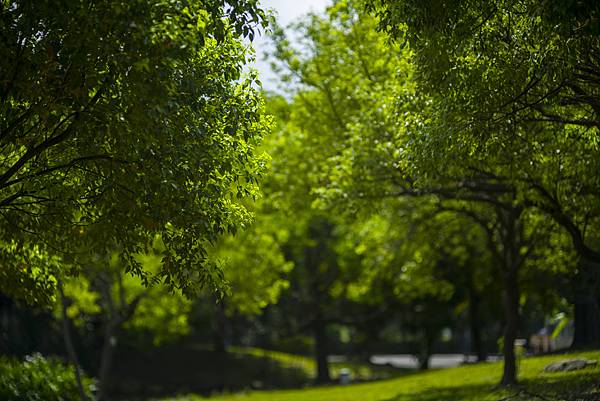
471,382
285,359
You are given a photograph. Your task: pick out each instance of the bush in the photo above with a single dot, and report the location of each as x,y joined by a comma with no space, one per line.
39,379
298,344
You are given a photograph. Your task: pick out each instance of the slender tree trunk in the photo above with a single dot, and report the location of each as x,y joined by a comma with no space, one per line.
106,357
321,352
221,336
7,326
475,325
511,234
511,312
425,352
424,362
69,341
117,313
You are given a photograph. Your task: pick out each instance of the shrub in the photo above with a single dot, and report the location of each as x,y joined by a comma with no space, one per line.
301,345
39,379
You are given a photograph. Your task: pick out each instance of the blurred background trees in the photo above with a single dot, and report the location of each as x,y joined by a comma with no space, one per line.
429,184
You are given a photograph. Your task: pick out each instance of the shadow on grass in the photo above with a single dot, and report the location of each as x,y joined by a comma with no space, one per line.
172,370
444,393
576,386
571,386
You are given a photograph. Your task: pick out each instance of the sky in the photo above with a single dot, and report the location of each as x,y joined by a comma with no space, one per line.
287,11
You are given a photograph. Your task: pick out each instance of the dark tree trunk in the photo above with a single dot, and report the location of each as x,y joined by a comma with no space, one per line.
7,326
117,315
424,362
221,338
511,312
586,305
69,341
511,234
587,323
321,351
110,341
425,351
477,347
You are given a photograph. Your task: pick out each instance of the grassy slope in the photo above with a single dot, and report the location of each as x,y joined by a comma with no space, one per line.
474,382
358,371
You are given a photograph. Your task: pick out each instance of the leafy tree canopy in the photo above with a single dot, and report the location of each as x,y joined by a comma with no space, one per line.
124,119
514,87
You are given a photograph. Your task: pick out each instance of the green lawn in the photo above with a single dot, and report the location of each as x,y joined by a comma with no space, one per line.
473,382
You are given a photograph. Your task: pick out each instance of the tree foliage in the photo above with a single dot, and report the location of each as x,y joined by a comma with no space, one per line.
124,120
512,123
457,125
515,92
254,265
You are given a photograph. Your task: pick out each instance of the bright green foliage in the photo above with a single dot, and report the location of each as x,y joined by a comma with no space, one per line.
342,120
84,301
345,89
395,250
344,80
123,119
348,83
161,313
27,272
103,289
321,71
337,144
342,77
313,236
254,266
403,135
39,379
